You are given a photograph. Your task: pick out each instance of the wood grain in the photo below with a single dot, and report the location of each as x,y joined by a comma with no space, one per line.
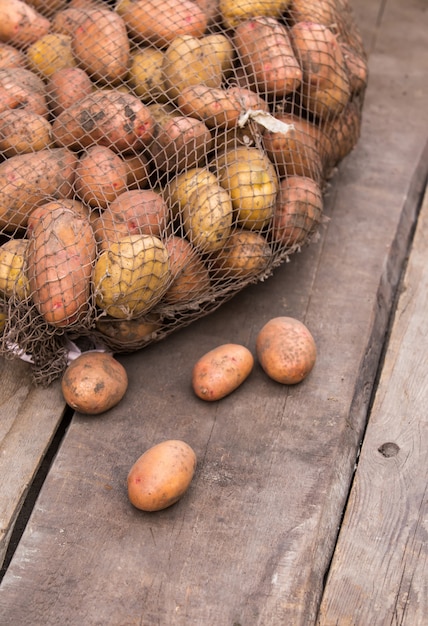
379,571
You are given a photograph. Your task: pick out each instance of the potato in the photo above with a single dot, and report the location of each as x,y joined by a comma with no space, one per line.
134,212
235,11
50,53
219,45
65,203
110,118
101,46
161,476
190,277
317,11
23,131
68,20
26,180
48,7
221,370
211,10
131,276
207,217
20,23
128,333
101,176
356,68
94,383
251,180
145,74
245,255
266,54
161,21
343,132
61,252
13,278
66,87
286,350
21,88
295,151
325,87
188,61
138,170
298,210
178,191
11,57
214,106
181,143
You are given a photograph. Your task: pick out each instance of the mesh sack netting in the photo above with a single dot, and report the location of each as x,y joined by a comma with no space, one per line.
156,156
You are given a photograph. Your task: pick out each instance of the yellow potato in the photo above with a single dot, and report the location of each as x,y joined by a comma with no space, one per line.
50,53
207,217
221,370
179,190
161,476
23,131
131,276
13,279
235,11
252,182
145,74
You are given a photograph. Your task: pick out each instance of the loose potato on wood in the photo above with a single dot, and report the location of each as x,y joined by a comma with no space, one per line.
61,252
94,383
286,350
298,210
161,476
101,176
221,370
101,46
325,87
138,211
27,180
20,23
66,87
109,118
189,275
267,57
23,131
161,21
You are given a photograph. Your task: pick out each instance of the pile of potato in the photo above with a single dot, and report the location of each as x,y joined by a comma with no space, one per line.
158,155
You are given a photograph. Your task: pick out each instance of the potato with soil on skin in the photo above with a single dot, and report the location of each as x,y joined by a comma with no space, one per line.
23,131
13,278
252,183
298,211
20,23
65,203
126,333
343,133
61,253
27,180
102,47
138,170
23,89
189,274
286,350
187,61
94,383
161,476
145,74
267,57
49,54
66,87
181,142
109,118
69,19
101,176
215,106
138,211
245,255
325,88
131,276
221,370
356,68
11,57
161,21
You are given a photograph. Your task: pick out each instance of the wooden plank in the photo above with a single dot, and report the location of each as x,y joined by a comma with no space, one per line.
385,528
29,418
252,539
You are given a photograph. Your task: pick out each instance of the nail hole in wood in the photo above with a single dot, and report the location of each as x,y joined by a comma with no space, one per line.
388,449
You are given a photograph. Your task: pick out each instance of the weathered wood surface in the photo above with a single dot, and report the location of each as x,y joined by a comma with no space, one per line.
379,573
29,418
251,541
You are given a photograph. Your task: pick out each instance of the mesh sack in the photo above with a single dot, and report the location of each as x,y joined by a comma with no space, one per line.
159,155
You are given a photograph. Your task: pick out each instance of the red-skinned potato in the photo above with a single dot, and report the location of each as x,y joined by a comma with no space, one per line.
94,383
101,176
20,24
161,476
221,370
286,350
67,86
